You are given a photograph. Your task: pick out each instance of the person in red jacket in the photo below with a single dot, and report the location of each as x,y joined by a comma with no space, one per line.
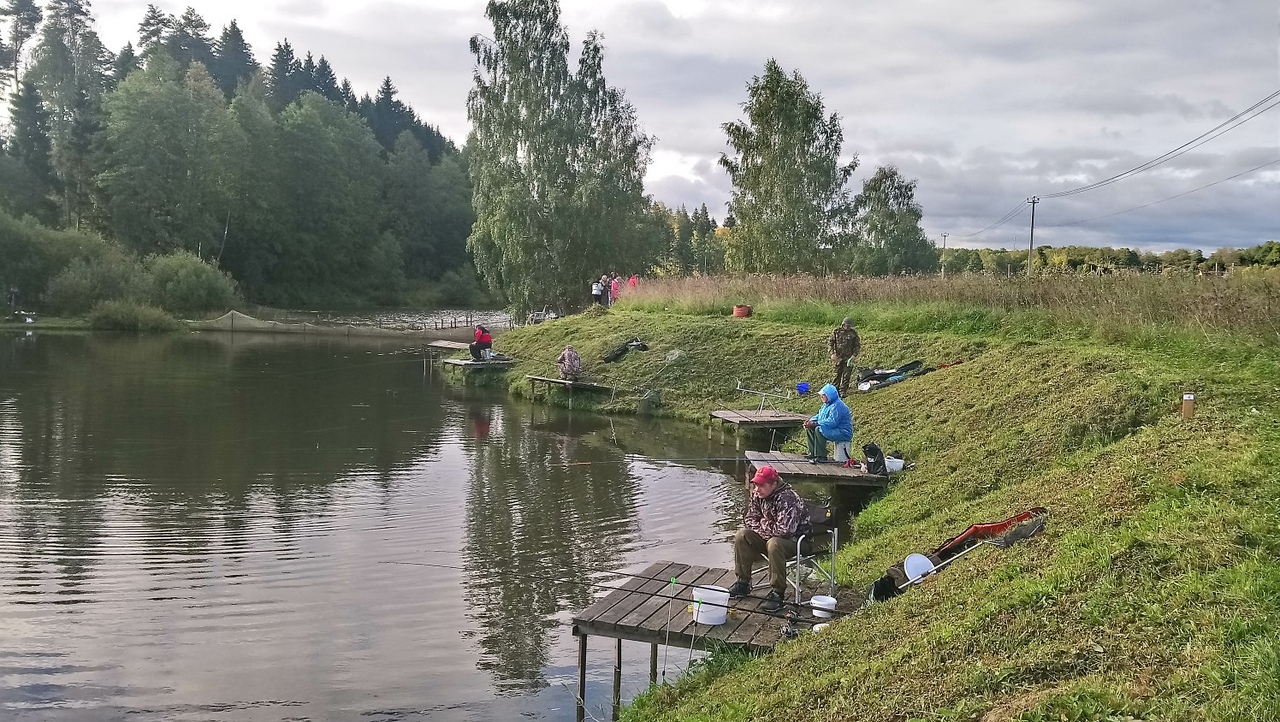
483,342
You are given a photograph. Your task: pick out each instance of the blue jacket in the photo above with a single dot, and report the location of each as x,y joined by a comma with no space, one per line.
834,420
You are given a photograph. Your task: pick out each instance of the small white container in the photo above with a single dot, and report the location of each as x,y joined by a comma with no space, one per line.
823,606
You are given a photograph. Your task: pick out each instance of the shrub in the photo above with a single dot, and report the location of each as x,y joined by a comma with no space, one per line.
182,282
131,316
86,282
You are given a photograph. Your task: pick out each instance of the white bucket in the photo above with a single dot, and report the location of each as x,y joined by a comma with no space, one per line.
714,608
822,605
891,464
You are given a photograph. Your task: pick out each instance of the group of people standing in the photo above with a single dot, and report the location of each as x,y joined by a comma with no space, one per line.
607,290
776,516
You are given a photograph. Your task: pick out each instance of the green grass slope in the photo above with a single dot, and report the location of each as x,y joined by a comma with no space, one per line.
1154,592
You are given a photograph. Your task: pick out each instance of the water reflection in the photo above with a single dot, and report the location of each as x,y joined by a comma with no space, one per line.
215,513
544,514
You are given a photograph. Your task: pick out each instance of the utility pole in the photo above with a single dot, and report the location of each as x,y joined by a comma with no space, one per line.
944,247
1031,246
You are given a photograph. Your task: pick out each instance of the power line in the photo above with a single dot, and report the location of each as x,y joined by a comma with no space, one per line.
1017,210
1162,200
1225,126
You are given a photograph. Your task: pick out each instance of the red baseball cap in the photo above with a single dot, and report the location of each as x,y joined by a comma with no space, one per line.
766,475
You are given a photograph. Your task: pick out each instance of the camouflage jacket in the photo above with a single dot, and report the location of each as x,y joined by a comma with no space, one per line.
845,342
781,514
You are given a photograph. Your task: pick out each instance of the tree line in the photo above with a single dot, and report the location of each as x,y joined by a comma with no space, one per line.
280,175
1102,260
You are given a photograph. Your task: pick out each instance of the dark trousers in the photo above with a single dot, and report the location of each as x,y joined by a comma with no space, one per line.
478,346
844,371
748,547
817,443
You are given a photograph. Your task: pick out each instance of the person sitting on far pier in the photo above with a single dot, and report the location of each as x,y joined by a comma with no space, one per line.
776,517
833,422
482,343
570,364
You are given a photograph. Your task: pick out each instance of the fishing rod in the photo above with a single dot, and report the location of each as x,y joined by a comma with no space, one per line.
626,460
652,595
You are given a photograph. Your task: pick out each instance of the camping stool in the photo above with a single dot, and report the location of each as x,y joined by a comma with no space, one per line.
842,451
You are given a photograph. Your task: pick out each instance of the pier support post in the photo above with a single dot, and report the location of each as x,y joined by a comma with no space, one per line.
582,678
653,664
617,680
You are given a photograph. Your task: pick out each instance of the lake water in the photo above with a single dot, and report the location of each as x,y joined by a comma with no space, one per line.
242,527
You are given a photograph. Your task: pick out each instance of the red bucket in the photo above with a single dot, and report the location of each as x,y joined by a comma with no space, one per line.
741,311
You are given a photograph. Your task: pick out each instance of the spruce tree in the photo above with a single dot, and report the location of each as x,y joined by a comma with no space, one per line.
282,77
326,83
233,61
24,20
190,42
126,62
30,145
307,74
154,29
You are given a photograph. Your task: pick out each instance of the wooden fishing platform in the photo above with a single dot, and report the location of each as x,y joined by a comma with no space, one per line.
794,467
647,608
570,386
467,364
757,419
442,345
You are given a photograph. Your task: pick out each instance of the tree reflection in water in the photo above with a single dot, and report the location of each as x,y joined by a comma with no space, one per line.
536,528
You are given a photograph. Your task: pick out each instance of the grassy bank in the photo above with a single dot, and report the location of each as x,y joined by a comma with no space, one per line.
1155,592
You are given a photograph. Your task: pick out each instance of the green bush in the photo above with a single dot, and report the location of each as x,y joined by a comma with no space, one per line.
131,316
86,282
182,282
32,255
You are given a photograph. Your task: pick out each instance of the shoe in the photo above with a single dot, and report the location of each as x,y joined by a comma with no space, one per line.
740,589
818,460
773,602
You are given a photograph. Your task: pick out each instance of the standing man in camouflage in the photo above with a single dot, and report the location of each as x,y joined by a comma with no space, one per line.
845,344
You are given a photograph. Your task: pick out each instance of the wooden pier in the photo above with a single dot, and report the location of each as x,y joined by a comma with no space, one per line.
647,608
570,386
757,419
466,364
442,345
794,467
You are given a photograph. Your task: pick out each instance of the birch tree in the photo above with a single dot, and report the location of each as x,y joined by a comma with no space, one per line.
789,189
557,161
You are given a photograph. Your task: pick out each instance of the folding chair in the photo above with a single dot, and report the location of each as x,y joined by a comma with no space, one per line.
812,550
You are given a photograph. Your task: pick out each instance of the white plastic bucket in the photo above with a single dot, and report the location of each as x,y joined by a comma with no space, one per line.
714,608
822,605
891,464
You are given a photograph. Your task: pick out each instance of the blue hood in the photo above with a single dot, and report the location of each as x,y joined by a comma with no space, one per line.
831,392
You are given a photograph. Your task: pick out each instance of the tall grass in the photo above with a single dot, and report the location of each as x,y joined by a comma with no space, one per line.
1240,304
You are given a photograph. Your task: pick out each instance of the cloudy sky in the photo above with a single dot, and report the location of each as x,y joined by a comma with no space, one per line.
984,103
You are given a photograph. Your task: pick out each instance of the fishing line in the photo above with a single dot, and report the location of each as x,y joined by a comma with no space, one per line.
598,585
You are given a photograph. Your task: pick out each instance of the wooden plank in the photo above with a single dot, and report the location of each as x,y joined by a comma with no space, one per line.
724,632
450,345
652,614
473,364
682,620
584,385
644,597
602,605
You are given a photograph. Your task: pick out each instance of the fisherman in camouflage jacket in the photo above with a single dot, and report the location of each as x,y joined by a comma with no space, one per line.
776,518
844,344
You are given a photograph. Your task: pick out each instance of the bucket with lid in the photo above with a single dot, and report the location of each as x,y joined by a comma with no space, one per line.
710,605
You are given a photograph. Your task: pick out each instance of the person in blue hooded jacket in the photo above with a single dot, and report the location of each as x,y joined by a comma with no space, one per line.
833,422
